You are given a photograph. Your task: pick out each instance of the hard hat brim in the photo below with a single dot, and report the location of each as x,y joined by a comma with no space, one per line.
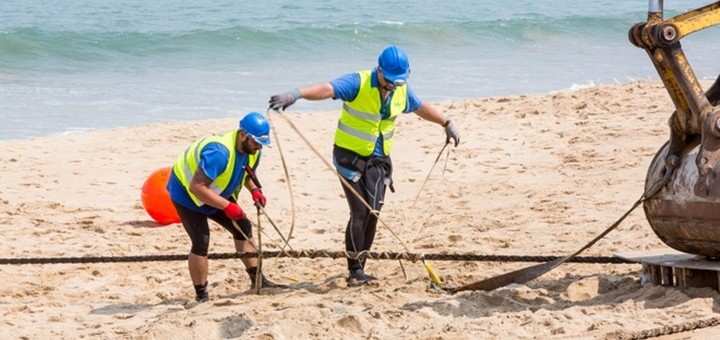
263,141
394,77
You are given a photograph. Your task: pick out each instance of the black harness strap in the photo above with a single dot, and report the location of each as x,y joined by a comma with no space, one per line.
253,178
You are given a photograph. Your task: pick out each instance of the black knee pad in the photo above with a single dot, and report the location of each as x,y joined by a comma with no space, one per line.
246,228
199,251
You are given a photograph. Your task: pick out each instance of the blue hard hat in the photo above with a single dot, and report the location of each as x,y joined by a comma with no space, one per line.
394,63
257,127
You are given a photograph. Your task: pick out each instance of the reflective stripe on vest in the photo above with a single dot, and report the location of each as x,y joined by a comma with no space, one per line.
360,121
189,161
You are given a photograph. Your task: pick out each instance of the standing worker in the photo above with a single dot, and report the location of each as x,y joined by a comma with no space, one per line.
372,100
204,184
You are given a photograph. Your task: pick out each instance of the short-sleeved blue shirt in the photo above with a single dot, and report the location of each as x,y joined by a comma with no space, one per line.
347,87
213,160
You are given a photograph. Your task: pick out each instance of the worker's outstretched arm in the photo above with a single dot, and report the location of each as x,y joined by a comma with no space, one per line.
319,91
430,113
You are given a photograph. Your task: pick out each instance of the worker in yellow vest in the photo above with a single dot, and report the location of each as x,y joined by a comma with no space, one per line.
372,100
205,182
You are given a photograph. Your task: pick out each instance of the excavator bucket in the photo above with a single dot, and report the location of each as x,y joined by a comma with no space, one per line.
681,219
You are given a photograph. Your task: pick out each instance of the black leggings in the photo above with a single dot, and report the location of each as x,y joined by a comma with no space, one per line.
360,231
196,226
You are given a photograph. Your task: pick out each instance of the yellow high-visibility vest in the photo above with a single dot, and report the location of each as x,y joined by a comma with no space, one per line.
188,162
360,122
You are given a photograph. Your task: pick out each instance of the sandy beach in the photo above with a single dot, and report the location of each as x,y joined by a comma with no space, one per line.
534,175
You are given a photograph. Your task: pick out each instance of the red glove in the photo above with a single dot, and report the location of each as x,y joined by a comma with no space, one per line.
258,197
234,211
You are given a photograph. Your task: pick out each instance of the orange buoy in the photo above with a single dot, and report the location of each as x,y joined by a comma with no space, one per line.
156,198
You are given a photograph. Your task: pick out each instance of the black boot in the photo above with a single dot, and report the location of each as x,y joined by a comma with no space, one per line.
201,294
252,272
358,277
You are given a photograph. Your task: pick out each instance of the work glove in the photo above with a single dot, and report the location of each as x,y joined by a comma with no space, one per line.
281,101
234,211
451,132
258,197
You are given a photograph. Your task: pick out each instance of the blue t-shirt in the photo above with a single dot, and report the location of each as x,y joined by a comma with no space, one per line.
347,87
213,160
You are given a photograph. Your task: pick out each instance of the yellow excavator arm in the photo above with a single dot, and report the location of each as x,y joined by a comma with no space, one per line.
684,211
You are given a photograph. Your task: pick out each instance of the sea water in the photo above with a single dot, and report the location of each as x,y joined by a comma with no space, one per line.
72,65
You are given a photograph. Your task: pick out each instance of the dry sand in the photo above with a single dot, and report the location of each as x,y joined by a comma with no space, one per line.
534,175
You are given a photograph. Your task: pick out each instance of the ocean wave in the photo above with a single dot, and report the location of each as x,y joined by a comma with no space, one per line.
138,47
22,44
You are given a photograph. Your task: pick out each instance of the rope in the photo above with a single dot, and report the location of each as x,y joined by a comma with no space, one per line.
289,183
258,272
254,179
345,183
287,241
427,212
530,273
312,254
428,175
431,271
524,275
671,329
